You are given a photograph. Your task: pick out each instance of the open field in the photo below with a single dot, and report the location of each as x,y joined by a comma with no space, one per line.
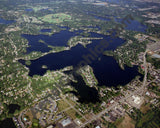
56,18
144,108
62,105
29,114
71,102
127,121
71,113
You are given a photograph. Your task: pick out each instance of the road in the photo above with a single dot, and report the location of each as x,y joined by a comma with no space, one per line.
64,98
20,121
145,71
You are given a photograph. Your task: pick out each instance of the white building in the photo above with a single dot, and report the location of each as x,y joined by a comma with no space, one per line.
66,122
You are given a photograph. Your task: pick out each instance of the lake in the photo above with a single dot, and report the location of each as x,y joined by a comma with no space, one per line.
106,69
3,21
45,30
7,123
13,107
117,1
132,25
29,10
102,18
57,39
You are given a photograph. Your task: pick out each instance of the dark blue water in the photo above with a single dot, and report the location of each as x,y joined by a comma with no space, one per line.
2,21
13,108
106,70
45,30
84,93
29,10
133,25
7,123
58,39
91,27
46,10
35,45
136,26
102,18
107,18
112,1
64,27
117,1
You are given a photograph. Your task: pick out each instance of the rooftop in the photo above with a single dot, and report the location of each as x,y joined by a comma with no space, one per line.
137,99
66,122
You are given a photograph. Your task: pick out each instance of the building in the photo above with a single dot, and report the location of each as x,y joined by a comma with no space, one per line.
136,99
66,122
50,126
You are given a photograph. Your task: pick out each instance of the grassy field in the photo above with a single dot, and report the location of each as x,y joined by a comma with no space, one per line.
62,105
127,121
144,108
71,102
71,113
38,7
56,18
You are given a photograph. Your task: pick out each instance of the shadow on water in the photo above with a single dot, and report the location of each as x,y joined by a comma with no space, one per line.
13,108
7,123
84,93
